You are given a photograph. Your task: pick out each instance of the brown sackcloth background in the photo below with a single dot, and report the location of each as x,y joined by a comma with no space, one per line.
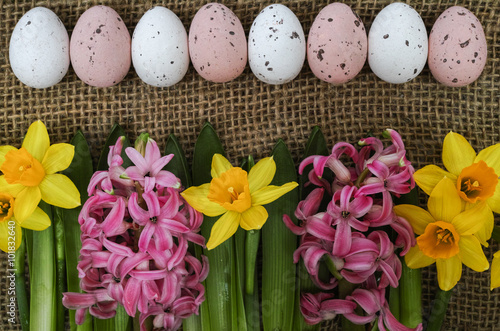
250,116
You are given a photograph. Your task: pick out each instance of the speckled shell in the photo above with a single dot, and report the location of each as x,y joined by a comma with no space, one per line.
397,44
457,47
276,45
39,48
217,43
160,48
337,44
100,47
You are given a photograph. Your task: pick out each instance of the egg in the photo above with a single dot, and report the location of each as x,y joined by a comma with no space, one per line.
160,48
457,47
217,43
276,45
100,47
397,44
337,44
39,49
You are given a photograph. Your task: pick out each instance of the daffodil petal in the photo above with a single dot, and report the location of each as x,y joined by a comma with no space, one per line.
37,140
494,200
58,158
491,155
449,272
4,150
472,254
270,193
59,190
444,203
223,229
473,220
219,165
415,259
419,218
428,177
10,233
261,174
253,218
38,220
26,202
495,271
12,189
196,196
457,153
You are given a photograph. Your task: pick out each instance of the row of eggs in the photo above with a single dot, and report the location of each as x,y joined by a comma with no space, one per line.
101,50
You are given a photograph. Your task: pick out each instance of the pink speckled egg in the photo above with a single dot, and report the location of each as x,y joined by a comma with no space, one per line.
457,47
217,43
337,45
100,47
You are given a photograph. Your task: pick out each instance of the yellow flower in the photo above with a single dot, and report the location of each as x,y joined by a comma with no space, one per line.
236,195
446,234
29,173
10,227
474,176
495,271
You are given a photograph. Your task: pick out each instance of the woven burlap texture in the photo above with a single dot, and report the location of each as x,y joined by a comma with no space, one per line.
250,116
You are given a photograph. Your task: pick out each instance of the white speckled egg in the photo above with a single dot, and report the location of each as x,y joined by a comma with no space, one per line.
457,47
160,48
217,43
100,47
397,44
276,45
337,44
39,48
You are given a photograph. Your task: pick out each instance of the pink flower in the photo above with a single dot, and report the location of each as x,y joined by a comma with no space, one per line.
375,306
346,207
150,166
319,307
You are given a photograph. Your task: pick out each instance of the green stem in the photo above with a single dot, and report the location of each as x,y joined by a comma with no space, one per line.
410,286
394,302
252,307
333,270
60,269
43,289
438,311
21,295
251,249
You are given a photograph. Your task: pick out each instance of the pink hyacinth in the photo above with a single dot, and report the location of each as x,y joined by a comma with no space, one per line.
135,233
349,234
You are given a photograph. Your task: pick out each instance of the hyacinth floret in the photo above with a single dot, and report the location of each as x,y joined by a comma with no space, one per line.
343,223
136,228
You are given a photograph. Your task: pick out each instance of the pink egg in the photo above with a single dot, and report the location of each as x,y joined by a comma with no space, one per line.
337,45
100,47
217,43
457,47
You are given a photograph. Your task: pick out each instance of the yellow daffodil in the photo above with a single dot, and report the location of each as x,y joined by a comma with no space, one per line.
10,227
236,195
29,173
474,176
495,271
446,234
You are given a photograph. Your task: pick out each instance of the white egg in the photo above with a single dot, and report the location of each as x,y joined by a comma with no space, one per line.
160,48
276,45
39,49
397,44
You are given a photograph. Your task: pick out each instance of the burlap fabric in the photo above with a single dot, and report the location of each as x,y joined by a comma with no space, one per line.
250,116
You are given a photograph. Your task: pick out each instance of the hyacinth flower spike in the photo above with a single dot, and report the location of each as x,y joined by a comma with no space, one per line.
236,195
446,234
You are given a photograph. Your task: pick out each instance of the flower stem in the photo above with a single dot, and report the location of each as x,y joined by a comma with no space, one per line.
361,177
21,295
251,248
43,289
438,311
331,267
410,286
60,269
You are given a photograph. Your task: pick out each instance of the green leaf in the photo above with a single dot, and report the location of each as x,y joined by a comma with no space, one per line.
178,165
116,132
21,294
217,309
80,172
278,245
58,227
